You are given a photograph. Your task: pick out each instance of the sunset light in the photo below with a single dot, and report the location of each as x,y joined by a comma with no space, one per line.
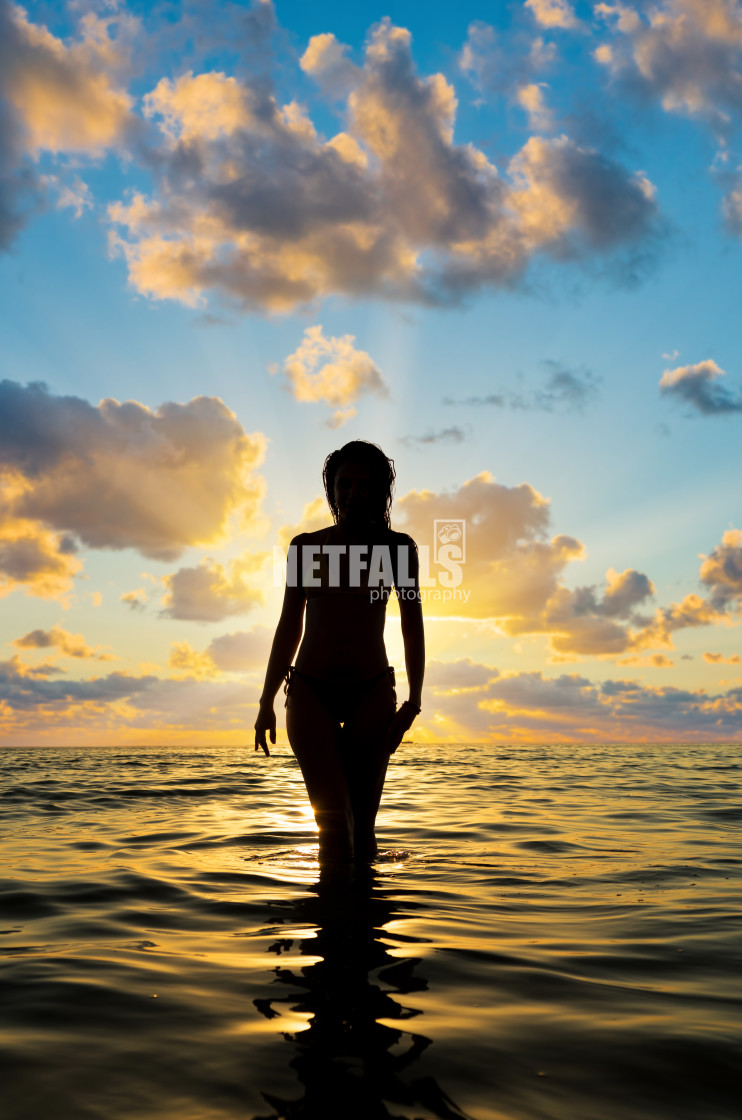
370,559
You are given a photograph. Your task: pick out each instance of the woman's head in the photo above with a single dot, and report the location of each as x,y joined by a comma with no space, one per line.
359,483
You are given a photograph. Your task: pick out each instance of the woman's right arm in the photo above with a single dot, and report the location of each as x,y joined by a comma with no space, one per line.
285,643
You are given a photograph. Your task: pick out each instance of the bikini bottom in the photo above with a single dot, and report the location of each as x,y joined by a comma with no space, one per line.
340,699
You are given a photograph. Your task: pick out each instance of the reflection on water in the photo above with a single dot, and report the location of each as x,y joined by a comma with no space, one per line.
350,1062
552,933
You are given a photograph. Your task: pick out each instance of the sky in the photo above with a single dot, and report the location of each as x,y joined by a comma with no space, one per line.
502,241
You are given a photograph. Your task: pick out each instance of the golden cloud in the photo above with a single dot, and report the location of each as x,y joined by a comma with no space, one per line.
463,701
531,98
188,662
69,645
693,611
229,653
315,515
126,476
531,707
332,370
511,569
69,97
211,591
34,559
687,53
206,106
553,13
513,575
721,571
251,203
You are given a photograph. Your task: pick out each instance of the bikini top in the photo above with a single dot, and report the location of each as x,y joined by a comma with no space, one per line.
325,567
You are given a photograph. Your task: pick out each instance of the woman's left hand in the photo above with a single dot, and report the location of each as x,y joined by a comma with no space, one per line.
401,723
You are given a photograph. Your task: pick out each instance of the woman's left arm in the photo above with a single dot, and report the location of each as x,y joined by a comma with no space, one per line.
413,634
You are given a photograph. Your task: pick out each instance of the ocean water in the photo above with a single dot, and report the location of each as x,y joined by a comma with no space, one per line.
549,933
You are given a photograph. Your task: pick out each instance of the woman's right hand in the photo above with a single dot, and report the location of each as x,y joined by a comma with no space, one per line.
401,723
266,721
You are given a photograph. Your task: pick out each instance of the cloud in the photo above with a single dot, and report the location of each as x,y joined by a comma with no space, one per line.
513,574
245,649
573,389
690,613
339,417
315,515
721,571
531,98
453,434
135,600
571,198
502,65
69,645
22,689
456,676
687,56
253,205
67,97
333,371
207,107
325,60
732,204
32,558
125,476
697,386
211,592
553,13
564,389
185,661
495,400
531,707
584,623
685,53
464,701
230,653
511,567
720,659
20,190
73,195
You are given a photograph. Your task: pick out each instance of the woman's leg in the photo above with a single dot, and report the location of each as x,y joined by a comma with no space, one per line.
365,759
314,736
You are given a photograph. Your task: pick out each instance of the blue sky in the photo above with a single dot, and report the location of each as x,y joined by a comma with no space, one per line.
532,213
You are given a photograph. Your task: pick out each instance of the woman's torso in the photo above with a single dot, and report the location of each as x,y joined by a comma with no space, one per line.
344,624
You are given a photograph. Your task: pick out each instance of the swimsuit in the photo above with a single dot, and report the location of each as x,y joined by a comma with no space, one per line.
340,699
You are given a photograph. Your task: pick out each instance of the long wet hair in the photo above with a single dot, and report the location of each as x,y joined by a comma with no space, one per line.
382,476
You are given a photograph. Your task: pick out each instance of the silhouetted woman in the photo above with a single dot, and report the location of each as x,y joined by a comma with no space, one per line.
342,718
